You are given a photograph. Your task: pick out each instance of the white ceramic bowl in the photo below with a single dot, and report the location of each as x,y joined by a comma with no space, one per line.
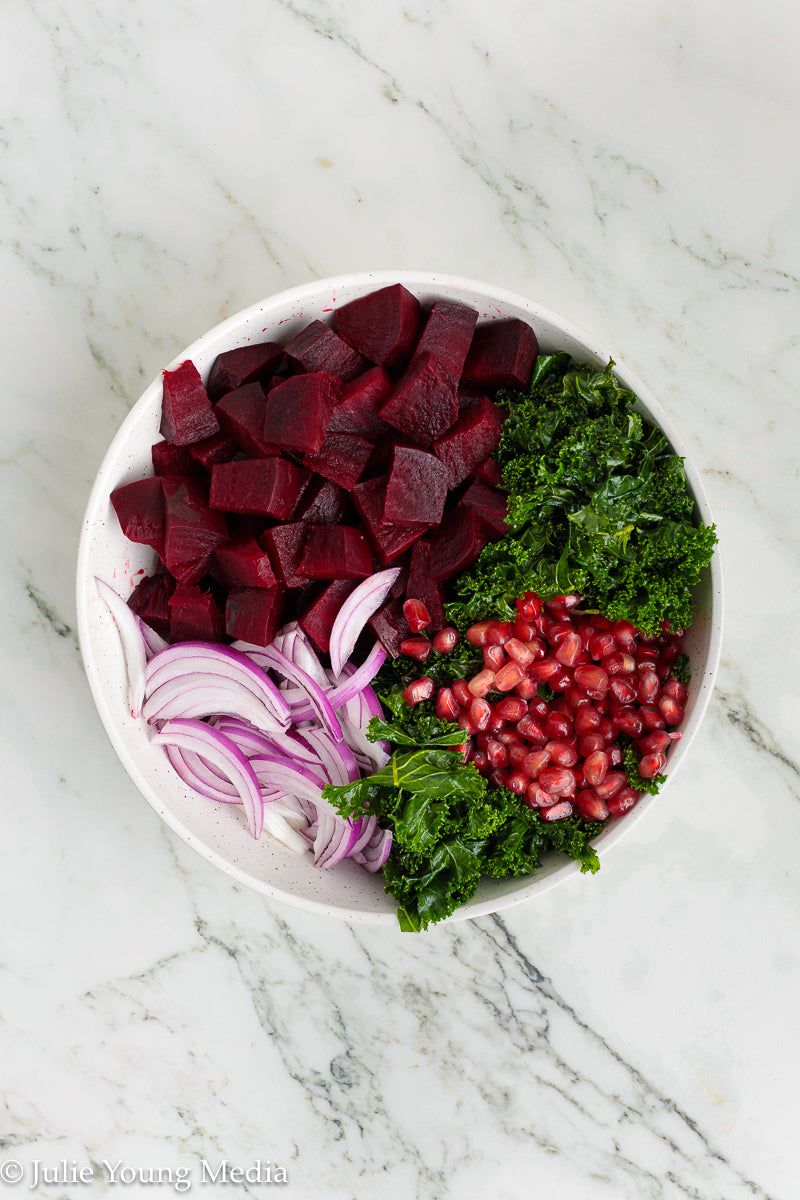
218,832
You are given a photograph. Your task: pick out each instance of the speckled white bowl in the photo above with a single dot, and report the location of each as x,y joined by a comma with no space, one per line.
218,832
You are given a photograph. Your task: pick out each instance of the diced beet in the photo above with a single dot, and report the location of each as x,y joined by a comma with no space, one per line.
417,489
456,543
192,530
268,486
398,589
174,460
390,626
362,399
475,435
447,336
150,601
489,504
254,614
186,412
335,552
243,563
241,414
140,510
467,395
423,404
384,325
421,586
194,615
318,618
233,368
299,410
342,459
318,348
284,545
324,503
489,472
388,541
502,354
218,448
382,456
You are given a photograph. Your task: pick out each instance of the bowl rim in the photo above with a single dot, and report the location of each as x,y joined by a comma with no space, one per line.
293,296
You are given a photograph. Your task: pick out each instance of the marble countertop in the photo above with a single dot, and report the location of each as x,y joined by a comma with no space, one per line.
631,1036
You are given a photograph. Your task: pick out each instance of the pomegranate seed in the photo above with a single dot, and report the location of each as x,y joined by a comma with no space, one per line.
601,644
586,633
481,760
499,778
477,635
539,709
481,683
497,755
496,724
593,680
671,710
652,765
595,768
601,624
590,806
625,635
675,690
537,797
480,713
463,721
494,657
615,756
518,783
655,742
445,640
576,699
529,606
649,687
618,663
587,720
608,730
498,633
589,743
461,692
535,762
568,650
556,631
529,728
544,670
482,739
562,753
622,689
670,652
508,677
559,606
613,781
517,752
646,654
511,709
560,683
652,718
420,689
524,630
416,647
519,652
623,802
417,615
559,781
525,689
447,707
509,737
536,646
558,727
628,721
557,812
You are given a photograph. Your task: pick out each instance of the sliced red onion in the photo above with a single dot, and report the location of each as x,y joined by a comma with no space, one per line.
129,627
335,839
368,825
350,686
209,658
376,852
256,741
336,758
357,609
317,698
194,771
204,696
154,643
294,779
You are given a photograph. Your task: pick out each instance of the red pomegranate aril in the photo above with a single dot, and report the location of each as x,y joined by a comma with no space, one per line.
586,633
560,683
670,651
517,753
608,731
481,760
675,690
576,699
556,631
589,743
559,781
494,657
529,606
622,689
590,806
499,778
652,718
625,635
512,708
526,689
612,783
672,712
539,709
498,633
558,727
646,654
544,670
417,615
481,683
461,692
595,768
478,634
557,812
496,724
562,753
601,644
537,797
480,713
447,707
649,687
537,647
560,606
651,765
482,739
593,680
535,762
518,783
615,755
568,650
587,720
497,755
623,802
418,648
463,721
445,640
628,721
520,653
531,729
618,663
510,737
420,689
654,743
508,677
523,629
601,624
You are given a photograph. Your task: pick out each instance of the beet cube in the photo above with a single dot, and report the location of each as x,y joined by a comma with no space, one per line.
335,552
502,354
384,325
174,460
254,614
192,530
324,503
423,404
475,435
241,414
186,412
390,626
218,448
244,365
243,563
447,336
268,486
318,348
140,510
362,399
456,543
299,410
417,489
489,504
467,396
388,541
284,545
194,615
318,618
342,459
150,601
489,472
421,585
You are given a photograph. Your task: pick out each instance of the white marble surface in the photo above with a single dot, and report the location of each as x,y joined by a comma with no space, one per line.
633,1036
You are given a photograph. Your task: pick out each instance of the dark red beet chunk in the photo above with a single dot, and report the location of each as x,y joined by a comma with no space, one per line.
234,368
467,396
150,601
174,460
475,435
318,618
342,459
489,472
447,336
318,348
193,531
335,552
186,412
243,563
502,354
324,503
423,404
299,410
390,626
384,325
489,504
140,509
284,545
417,489
195,615
254,614
241,414
388,541
357,411
421,586
267,486
218,448
456,543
